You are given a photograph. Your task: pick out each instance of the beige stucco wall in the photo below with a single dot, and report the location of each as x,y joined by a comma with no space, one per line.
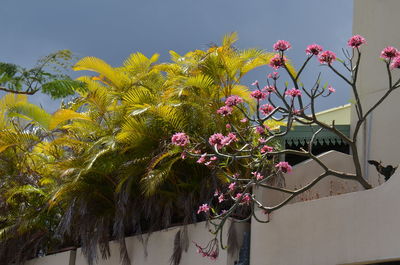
63,258
306,171
160,247
377,21
354,227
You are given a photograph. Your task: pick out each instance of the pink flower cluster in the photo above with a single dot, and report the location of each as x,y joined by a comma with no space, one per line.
257,175
277,61
203,159
225,111
210,251
313,49
266,109
258,94
260,130
246,198
229,103
392,55
284,167
266,149
395,63
356,41
232,186
273,75
233,101
269,89
293,92
327,57
331,89
389,53
282,45
180,139
203,208
220,140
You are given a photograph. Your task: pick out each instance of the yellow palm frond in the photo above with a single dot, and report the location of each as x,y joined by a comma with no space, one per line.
107,73
63,115
32,112
139,63
229,39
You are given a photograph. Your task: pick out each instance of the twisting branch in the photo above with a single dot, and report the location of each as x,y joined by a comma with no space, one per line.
251,157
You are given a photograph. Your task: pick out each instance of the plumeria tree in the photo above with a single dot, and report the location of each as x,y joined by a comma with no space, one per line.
248,156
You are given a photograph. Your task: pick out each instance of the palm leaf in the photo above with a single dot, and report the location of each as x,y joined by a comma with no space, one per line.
31,112
64,115
107,73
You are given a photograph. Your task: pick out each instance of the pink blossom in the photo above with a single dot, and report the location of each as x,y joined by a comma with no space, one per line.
225,110
202,159
331,89
277,61
255,83
295,111
233,101
216,139
257,175
269,89
266,149
183,155
282,45
273,75
244,120
395,63
389,53
231,137
180,139
203,208
210,251
221,198
216,193
356,41
208,163
314,49
228,126
266,109
327,57
284,167
246,198
260,130
214,158
257,94
293,92
262,140
232,186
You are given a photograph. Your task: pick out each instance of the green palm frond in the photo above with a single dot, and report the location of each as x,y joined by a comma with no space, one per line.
156,177
26,190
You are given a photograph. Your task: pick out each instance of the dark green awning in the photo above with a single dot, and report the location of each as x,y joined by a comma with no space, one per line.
301,135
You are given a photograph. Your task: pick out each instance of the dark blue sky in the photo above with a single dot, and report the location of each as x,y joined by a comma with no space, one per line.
112,29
